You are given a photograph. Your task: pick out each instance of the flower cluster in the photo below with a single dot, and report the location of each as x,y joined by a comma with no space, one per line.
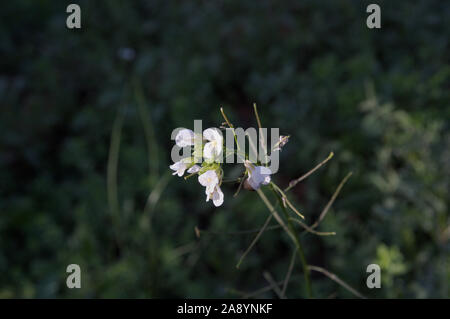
208,150
210,173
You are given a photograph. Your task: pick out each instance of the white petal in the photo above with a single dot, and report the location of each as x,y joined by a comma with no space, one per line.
254,184
209,151
179,168
213,149
202,179
184,138
218,147
208,178
217,197
210,189
212,134
194,169
260,175
175,166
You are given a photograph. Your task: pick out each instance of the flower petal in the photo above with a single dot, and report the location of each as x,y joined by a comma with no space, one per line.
208,178
209,151
179,168
259,175
212,134
217,197
194,169
185,137
254,184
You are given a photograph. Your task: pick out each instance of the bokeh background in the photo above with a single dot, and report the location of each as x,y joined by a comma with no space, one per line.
86,118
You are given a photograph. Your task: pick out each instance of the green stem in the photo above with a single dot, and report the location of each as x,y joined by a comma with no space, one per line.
290,229
300,251
230,126
261,135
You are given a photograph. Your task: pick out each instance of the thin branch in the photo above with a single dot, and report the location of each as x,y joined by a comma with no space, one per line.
273,285
230,126
252,145
258,120
232,180
310,230
240,185
246,295
297,243
291,232
286,200
289,272
331,201
226,118
234,233
298,180
262,138
154,196
337,280
266,223
275,213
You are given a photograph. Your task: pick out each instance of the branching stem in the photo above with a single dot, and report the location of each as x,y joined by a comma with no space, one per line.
298,245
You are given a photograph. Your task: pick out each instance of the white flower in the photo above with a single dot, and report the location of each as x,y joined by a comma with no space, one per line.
185,138
213,149
283,140
194,169
257,175
216,195
179,167
209,179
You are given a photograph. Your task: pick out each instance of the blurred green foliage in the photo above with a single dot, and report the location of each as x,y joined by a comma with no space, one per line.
86,118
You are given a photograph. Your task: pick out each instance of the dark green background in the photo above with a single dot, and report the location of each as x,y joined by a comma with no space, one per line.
379,99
